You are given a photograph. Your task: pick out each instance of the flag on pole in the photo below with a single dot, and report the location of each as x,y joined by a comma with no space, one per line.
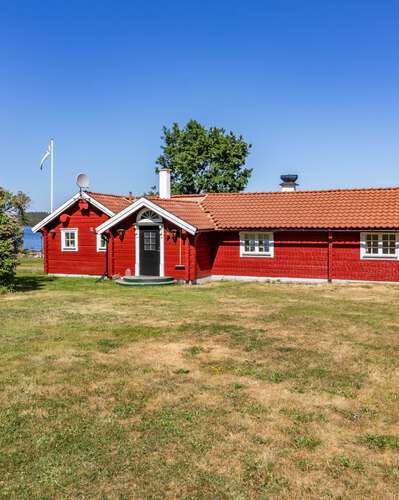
45,156
50,154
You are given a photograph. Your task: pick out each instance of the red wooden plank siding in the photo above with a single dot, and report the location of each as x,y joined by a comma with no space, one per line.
124,248
297,254
347,264
86,260
204,247
176,252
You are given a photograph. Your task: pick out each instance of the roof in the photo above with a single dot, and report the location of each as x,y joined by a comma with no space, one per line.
114,202
189,211
373,208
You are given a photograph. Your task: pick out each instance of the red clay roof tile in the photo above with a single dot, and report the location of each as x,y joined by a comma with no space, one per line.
189,211
113,202
374,208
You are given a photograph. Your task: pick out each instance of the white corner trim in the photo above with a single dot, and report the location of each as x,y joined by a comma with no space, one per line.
67,204
379,256
145,203
265,255
69,230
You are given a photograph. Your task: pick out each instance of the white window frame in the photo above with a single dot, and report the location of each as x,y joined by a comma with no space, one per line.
380,255
63,233
266,235
100,248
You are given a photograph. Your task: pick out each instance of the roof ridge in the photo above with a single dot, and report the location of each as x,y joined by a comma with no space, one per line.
334,190
193,195
172,199
207,212
126,197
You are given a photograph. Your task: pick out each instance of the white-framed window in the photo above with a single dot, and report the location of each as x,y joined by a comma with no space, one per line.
256,244
379,245
69,240
101,243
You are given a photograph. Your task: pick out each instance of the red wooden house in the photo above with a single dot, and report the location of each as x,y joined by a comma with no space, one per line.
331,235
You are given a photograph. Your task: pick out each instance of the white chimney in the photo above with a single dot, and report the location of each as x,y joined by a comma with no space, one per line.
164,183
288,182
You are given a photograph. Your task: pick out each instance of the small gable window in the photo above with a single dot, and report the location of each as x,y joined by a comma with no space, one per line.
101,243
147,216
379,245
69,240
256,244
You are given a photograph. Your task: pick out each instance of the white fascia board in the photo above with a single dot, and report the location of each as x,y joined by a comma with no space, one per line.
140,203
66,205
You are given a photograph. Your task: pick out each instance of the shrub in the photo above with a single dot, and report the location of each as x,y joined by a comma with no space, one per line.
12,210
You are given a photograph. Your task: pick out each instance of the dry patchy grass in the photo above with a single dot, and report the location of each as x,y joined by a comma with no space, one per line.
224,390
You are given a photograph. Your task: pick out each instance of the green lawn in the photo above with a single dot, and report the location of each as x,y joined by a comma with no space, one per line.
223,390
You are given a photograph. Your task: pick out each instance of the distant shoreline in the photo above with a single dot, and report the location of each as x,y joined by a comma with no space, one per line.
32,218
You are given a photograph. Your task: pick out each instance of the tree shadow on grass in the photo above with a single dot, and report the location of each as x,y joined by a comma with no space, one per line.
30,283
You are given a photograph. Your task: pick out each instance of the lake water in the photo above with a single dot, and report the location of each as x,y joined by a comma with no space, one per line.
32,241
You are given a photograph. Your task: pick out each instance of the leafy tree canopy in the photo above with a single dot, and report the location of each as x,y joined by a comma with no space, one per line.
204,160
12,218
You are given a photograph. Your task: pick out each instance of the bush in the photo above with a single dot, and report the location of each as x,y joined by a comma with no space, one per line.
12,211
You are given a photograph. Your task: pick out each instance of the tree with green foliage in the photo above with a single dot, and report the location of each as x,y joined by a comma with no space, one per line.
204,160
12,213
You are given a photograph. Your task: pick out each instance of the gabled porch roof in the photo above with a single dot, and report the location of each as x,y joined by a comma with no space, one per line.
194,217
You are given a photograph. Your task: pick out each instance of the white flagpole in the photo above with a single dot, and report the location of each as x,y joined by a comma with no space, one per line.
52,175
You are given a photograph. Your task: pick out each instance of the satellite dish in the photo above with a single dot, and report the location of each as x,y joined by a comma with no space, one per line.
82,180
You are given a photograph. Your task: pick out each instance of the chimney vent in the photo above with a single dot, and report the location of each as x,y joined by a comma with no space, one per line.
288,182
164,183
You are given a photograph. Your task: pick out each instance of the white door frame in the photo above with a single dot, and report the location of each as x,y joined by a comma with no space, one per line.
161,247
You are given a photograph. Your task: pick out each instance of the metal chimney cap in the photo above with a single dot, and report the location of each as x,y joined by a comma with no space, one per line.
289,177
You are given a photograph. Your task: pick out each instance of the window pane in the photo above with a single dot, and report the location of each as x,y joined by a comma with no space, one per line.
388,244
249,242
150,241
263,243
70,240
372,244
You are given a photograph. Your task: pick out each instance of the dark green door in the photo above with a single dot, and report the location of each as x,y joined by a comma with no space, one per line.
149,251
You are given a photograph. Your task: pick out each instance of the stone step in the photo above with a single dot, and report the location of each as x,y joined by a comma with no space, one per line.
147,281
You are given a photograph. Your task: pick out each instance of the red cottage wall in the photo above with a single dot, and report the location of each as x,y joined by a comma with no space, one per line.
86,260
179,253
122,252
205,244
297,254
347,264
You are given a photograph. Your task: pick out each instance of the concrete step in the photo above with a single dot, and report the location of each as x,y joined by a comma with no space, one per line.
145,281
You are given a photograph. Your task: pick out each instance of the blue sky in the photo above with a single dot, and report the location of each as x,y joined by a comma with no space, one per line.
313,85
